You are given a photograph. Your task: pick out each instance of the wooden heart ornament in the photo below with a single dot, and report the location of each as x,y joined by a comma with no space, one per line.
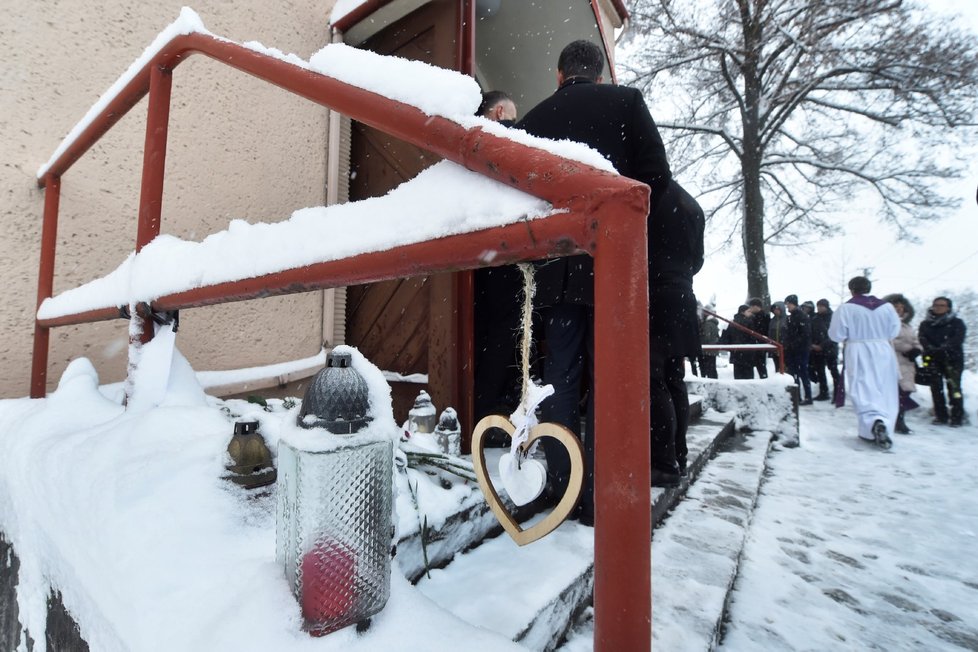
567,502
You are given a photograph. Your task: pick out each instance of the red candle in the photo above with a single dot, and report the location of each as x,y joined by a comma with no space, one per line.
328,597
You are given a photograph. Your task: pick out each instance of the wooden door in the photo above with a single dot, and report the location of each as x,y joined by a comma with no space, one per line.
407,325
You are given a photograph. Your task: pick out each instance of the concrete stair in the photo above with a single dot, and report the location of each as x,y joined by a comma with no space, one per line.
699,529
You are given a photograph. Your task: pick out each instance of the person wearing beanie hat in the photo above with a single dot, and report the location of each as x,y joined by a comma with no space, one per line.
942,337
825,352
798,346
808,307
867,325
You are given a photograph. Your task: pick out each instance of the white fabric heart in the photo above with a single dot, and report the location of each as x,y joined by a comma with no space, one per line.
523,482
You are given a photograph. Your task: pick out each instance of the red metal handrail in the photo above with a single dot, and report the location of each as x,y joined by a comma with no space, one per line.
778,346
605,217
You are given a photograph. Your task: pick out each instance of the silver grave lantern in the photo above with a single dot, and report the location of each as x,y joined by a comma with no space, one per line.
334,503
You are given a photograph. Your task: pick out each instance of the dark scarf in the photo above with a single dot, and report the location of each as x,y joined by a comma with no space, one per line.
939,320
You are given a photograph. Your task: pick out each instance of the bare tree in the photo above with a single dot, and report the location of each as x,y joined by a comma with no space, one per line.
789,107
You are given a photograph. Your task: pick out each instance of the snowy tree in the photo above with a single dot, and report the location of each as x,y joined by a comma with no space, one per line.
784,110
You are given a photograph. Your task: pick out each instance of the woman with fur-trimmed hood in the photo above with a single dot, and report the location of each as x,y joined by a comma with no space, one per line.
907,348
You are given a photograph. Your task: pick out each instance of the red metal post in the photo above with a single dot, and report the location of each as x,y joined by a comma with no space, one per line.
622,472
154,160
465,281
45,284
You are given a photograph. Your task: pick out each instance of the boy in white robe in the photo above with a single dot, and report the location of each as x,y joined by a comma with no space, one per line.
867,325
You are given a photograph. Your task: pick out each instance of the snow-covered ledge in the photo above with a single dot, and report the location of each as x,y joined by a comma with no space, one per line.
466,201
767,404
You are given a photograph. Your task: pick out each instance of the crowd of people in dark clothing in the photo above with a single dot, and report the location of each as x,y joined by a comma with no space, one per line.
933,356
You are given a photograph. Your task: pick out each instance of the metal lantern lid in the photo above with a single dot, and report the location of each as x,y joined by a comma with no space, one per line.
448,421
251,464
337,399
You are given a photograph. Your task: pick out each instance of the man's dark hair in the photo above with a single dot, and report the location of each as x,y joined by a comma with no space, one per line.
860,285
756,302
950,304
491,99
581,59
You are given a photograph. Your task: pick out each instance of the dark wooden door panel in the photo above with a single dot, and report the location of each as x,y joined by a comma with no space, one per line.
408,325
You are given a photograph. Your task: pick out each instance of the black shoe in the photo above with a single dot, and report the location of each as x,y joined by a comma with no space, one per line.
821,397
900,427
807,401
939,422
955,423
682,468
664,479
584,516
880,436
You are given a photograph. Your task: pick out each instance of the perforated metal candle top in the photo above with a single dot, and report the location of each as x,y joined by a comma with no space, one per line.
337,398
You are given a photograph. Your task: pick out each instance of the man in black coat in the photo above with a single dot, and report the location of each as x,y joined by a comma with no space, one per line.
616,122
743,361
941,334
797,346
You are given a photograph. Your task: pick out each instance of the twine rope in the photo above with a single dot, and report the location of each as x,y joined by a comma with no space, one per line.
529,289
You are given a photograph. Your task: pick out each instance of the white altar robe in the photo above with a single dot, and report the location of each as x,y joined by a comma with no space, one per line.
871,373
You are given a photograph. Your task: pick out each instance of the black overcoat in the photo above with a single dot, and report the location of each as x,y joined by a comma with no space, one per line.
615,121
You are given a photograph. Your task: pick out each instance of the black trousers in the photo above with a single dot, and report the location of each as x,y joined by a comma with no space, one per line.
708,366
743,370
950,376
818,362
569,333
669,412
760,363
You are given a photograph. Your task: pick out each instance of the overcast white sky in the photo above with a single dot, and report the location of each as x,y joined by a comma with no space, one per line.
945,258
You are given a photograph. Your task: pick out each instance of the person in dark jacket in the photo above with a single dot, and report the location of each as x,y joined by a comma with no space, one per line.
709,334
498,312
941,335
776,328
760,321
742,361
616,122
797,346
825,352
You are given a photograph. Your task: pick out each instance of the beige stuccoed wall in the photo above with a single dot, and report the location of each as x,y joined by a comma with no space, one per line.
237,149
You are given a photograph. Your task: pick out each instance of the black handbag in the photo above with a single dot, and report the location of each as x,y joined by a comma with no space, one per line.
925,375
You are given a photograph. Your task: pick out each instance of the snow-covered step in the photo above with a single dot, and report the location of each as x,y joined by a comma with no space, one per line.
530,594
705,434
534,594
696,551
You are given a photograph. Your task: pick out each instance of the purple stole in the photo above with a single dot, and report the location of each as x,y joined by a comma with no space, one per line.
867,301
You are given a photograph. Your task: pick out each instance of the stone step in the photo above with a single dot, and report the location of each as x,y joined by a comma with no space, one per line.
696,552
535,594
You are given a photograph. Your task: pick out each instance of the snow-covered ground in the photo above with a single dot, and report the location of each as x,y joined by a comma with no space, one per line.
124,511
852,548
